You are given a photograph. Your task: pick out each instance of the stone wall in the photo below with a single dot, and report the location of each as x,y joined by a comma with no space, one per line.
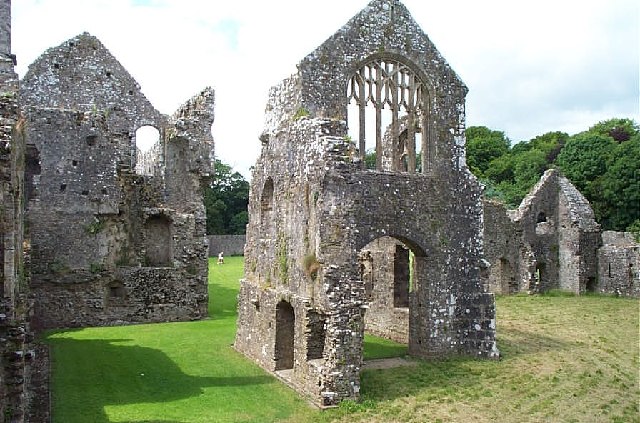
16,348
111,244
386,275
231,245
619,265
314,212
502,249
552,241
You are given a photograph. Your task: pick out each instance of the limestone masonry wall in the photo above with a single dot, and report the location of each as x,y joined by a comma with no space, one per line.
111,244
552,241
316,214
231,245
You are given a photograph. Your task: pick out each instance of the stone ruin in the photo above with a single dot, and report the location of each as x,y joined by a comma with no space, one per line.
93,231
15,335
117,236
553,242
334,248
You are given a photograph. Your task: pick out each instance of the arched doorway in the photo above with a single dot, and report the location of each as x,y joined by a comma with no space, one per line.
390,270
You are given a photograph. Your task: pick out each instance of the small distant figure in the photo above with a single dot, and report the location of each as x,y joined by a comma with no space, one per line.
221,258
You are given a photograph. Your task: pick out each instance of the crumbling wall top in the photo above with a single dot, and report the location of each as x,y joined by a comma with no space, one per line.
81,74
619,239
5,28
528,201
192,121
580,210
383,29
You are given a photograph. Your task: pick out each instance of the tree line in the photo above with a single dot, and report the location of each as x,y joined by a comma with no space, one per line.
603,162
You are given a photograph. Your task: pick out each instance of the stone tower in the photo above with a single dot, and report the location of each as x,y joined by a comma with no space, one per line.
363,213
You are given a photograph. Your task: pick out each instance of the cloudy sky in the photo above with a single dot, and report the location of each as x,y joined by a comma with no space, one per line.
531,66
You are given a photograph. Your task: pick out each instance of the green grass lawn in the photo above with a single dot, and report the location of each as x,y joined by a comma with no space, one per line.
565,359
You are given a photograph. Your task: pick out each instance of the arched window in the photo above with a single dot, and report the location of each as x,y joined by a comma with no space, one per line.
147,149
392,101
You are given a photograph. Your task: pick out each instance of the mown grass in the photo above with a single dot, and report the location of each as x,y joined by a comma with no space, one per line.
564,359
170,372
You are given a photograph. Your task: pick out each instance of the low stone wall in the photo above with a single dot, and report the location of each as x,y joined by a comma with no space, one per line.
231,245
618,264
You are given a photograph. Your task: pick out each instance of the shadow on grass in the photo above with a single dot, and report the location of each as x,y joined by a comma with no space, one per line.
515,342
99,373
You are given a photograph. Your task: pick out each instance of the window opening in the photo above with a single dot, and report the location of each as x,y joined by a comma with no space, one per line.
387,110
542,217
147,149
266,200
401,276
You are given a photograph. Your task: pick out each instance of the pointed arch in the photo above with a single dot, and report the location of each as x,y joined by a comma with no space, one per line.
392,83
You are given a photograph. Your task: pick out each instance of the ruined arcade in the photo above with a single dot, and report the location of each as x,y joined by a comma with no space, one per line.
336,248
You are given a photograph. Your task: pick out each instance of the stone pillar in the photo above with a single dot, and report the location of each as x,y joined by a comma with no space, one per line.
5,27
7,60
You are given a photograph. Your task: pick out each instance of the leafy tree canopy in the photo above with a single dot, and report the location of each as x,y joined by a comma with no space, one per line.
483,146
603,162
226,201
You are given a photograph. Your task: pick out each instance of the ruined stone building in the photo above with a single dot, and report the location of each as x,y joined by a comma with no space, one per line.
335,248
552,241
15,334
93,230
117,236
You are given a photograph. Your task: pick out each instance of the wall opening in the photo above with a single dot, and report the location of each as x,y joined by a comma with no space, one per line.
32,170
116,290
392,271
266,202
388,107
285,330
542,217
592,284
540,277
316,334
158,241
147,150
401,276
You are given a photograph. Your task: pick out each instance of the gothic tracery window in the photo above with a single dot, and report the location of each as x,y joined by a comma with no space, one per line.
400,102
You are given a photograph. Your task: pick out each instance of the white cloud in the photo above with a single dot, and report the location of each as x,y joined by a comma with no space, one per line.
531,67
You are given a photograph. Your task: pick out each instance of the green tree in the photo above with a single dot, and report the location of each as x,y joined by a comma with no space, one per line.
619,187
620,130
584,159
483,146
226,200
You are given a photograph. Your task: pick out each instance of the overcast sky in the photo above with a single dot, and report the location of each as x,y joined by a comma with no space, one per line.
531,66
